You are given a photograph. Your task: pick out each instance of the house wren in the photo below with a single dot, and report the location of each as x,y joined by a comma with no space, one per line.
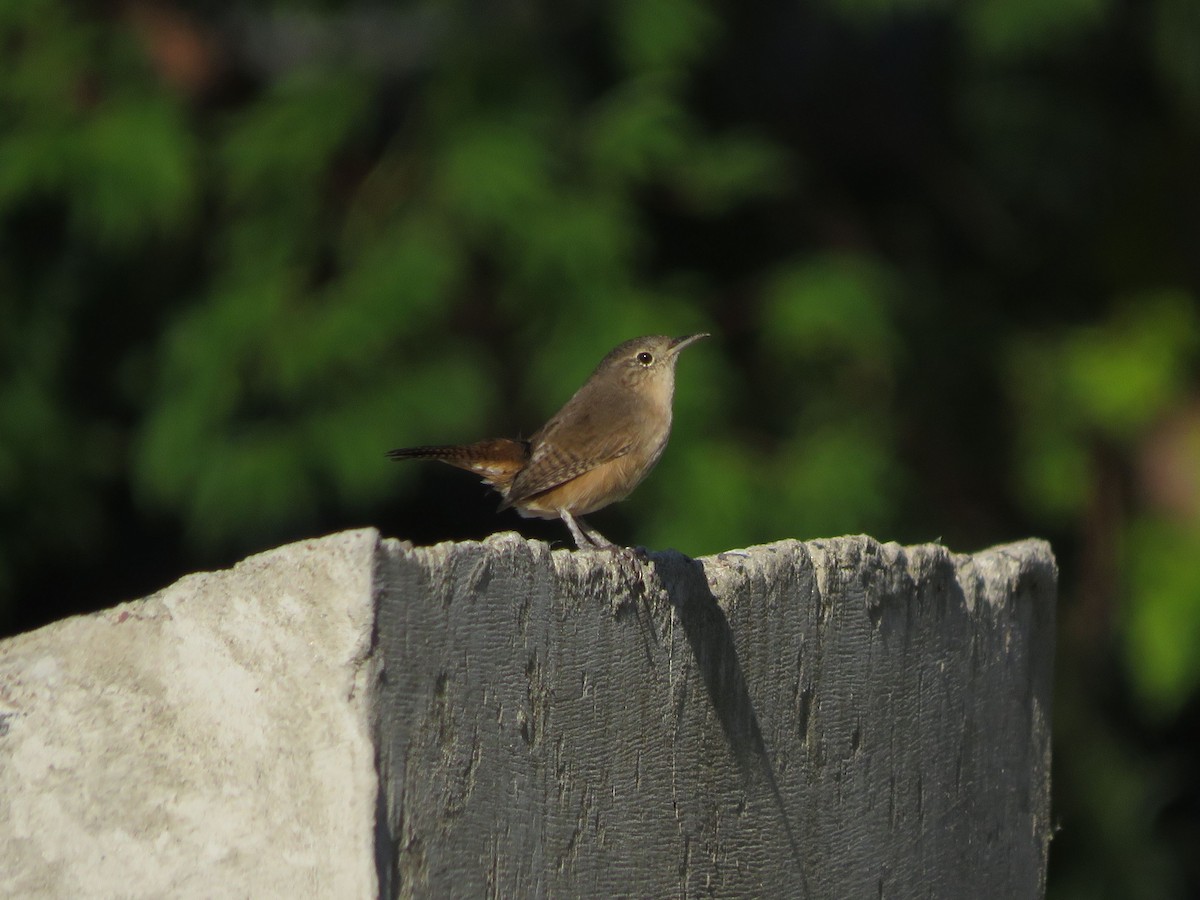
593,452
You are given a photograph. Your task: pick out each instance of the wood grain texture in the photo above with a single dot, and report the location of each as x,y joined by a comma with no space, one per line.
835,718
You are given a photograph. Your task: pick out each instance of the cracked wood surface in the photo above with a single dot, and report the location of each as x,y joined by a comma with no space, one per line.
836,718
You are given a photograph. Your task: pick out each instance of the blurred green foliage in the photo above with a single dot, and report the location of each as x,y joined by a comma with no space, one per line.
949,253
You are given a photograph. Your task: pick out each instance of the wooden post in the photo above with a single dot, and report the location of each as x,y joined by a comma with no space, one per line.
829,719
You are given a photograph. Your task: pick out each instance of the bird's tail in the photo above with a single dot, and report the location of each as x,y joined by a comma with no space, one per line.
497,462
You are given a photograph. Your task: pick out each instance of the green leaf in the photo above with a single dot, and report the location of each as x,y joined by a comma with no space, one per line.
831,304
639,129
1013,28
278,150
1163,615
1124,373
133,172
727,170
494,174
1175,36
836,479
666,34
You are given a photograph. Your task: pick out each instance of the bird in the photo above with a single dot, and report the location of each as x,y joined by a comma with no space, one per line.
593,452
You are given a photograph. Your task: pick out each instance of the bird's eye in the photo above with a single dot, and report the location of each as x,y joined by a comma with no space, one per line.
645,358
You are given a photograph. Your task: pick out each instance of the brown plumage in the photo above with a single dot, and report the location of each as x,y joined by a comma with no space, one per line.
594,451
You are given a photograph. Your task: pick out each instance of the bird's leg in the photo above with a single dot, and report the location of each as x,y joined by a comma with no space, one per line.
581,540
586,537
594,536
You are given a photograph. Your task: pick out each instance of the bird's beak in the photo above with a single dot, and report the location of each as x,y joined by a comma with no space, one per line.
680,342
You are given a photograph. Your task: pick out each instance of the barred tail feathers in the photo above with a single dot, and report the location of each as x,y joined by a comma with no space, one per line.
497,461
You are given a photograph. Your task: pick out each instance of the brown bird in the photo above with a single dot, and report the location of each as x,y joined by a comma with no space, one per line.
593,452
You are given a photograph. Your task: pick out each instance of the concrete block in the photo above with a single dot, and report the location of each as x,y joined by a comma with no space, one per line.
211,740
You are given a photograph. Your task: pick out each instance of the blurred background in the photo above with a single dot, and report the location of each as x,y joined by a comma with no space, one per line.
949,254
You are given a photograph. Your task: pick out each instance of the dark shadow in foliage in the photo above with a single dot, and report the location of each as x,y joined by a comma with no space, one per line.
711,639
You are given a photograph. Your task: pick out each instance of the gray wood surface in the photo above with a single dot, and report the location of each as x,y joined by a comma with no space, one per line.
831,719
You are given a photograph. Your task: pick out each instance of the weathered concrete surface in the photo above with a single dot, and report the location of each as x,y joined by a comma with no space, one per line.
829,719
208,741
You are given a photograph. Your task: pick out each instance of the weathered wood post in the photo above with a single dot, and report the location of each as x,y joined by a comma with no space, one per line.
828,719
351,717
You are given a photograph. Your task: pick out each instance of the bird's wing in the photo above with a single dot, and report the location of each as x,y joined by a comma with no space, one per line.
551,465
